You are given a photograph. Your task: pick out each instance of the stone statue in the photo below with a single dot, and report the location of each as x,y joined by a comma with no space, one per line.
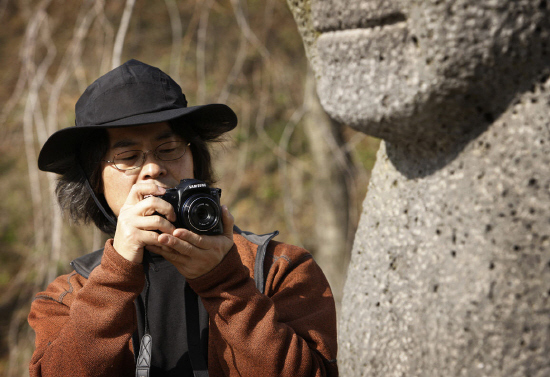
450,269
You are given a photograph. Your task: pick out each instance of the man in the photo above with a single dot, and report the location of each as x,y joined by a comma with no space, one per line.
263,308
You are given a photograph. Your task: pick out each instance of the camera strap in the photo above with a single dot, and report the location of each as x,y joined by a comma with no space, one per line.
198,363
111,219
143,362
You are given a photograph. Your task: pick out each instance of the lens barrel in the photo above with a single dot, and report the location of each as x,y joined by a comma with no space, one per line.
200,213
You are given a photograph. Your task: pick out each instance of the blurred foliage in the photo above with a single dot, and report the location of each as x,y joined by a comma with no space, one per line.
251,57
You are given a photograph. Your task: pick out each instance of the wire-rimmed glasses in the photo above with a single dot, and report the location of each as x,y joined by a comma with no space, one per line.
133,159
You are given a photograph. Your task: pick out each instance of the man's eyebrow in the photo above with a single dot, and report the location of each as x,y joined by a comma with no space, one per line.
123,144
165,135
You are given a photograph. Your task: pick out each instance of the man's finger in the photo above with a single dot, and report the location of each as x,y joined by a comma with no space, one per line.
228,222
197,240
153,205
141,190
155,222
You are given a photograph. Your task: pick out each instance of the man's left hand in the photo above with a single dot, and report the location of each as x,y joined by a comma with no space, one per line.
193,254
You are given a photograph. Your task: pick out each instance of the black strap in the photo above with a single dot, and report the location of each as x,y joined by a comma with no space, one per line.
111,219
198,363
143,363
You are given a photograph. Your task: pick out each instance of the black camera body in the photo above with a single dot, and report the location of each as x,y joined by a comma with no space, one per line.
197,206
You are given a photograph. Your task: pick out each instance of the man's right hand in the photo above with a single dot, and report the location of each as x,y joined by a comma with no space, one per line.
140,218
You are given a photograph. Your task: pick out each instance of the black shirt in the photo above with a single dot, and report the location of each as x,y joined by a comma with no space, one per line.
166,312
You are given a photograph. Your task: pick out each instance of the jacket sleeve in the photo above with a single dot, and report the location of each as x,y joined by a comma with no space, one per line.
289,331
83,327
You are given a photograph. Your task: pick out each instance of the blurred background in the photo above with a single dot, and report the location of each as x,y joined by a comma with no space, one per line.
286,167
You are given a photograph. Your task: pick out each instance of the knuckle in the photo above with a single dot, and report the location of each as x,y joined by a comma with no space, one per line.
157,220
153,237
169,241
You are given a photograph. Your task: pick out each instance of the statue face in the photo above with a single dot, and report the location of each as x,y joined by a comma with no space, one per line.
383,65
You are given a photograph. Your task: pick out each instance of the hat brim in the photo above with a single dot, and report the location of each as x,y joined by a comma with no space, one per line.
209,121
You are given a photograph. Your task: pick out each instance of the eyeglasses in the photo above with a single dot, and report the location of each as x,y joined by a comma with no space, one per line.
128,160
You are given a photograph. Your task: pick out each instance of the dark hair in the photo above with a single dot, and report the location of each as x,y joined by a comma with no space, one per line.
76,200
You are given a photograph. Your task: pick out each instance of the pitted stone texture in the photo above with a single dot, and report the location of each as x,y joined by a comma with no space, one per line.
396,69
340,15
450,271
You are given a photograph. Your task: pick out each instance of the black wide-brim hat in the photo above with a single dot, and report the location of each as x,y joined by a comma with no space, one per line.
130,95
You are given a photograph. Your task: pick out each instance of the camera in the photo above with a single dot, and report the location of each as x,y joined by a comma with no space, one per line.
197,206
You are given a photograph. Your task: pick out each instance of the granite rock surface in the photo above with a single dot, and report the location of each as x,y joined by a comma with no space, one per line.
450,270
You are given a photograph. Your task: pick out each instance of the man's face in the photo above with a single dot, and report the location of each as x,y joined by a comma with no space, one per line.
167,174
386,61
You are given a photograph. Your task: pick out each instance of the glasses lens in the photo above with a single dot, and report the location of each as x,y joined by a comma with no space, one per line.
128,160
171,150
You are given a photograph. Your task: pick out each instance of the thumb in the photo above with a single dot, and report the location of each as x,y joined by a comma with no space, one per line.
228,221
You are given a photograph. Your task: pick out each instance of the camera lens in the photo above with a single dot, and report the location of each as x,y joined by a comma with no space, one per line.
201,212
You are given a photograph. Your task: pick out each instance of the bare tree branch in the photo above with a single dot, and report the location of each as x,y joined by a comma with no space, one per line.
177,36
236,70
13,100
276,148
32,105
243,153
121,34
189,32
201,51
284,175
71,56
245,29
106,41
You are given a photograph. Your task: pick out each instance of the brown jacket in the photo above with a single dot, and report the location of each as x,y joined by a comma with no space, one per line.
84,326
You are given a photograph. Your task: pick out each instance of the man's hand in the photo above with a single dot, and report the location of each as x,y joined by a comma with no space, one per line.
137,221
194,255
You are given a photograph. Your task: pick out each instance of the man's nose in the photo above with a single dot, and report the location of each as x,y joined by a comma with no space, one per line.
152,166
